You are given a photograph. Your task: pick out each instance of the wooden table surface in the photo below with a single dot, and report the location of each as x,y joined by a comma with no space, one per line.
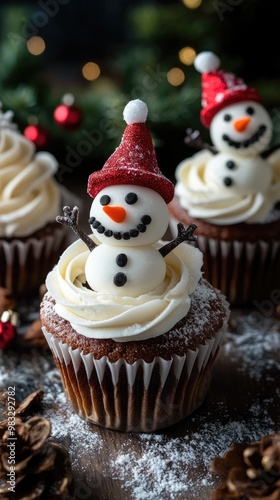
242,404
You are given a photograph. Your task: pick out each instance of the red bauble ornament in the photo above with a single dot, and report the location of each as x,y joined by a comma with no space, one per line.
67,116
8,330
37,134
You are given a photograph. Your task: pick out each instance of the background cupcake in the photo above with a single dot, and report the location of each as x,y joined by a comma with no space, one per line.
231,189
133,328
30,239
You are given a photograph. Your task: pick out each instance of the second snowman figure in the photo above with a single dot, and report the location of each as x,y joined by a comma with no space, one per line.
242,165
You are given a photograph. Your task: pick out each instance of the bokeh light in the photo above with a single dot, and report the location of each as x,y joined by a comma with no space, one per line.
36,45
175,76
187,55
192,4
91,71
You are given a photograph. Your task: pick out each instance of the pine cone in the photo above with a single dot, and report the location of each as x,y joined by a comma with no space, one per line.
251,471
32,467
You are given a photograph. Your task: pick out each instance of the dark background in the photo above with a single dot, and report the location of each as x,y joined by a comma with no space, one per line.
248,29
124,37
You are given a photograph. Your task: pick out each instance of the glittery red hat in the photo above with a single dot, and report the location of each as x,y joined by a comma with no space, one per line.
219,89
134,161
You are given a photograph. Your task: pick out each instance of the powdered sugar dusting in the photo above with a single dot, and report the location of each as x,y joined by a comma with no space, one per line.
167,467
254,344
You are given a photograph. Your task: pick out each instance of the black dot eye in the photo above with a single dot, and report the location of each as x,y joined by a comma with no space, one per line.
131,198
250,110
105,199
227,118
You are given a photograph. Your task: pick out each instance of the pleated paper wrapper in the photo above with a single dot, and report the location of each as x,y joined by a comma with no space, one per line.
24,264
138,397
243,271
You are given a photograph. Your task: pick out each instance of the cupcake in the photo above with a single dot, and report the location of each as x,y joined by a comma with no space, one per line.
231,190
30,239
133,327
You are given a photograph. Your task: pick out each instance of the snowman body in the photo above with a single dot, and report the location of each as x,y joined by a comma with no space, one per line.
126,221
240,132
239,173
125,271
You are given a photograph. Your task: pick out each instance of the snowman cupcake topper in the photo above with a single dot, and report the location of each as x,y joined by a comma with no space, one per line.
240,129
128,215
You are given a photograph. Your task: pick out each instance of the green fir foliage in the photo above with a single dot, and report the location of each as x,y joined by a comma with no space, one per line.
136,67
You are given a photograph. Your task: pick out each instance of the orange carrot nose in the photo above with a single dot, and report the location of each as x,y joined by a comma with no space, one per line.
241,124
117,214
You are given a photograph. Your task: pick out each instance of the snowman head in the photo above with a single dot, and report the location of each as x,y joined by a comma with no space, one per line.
128,215
130,192
244,128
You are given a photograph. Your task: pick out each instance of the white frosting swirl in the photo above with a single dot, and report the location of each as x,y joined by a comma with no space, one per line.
103,316
29,197
218,204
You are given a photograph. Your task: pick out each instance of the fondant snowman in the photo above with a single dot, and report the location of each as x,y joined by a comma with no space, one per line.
240,129
128,215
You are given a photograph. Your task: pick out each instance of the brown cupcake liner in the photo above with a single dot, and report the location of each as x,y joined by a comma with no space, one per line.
24,264
138,397
245,272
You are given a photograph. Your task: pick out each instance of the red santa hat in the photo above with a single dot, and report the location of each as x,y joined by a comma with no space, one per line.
219,89
134,161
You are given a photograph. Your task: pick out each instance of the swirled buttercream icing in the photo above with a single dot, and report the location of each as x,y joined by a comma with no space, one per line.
216,203
29,196
123,318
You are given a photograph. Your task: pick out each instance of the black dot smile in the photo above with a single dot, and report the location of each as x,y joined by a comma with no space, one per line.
248,142
119,235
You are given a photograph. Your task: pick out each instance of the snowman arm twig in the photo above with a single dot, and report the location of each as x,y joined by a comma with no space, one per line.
71,219
183,235
194,139
268,152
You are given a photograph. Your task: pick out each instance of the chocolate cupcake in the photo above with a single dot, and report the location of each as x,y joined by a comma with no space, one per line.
30,239
231,190
133,327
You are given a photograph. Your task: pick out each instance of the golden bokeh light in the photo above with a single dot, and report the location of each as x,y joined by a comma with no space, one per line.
36,45
192,4
175,76
91,71
187,55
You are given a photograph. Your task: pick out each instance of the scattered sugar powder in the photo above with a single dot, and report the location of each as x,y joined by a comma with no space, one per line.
179,468
255,344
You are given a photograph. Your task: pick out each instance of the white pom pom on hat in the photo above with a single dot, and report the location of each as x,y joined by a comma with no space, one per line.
136,111
207,62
